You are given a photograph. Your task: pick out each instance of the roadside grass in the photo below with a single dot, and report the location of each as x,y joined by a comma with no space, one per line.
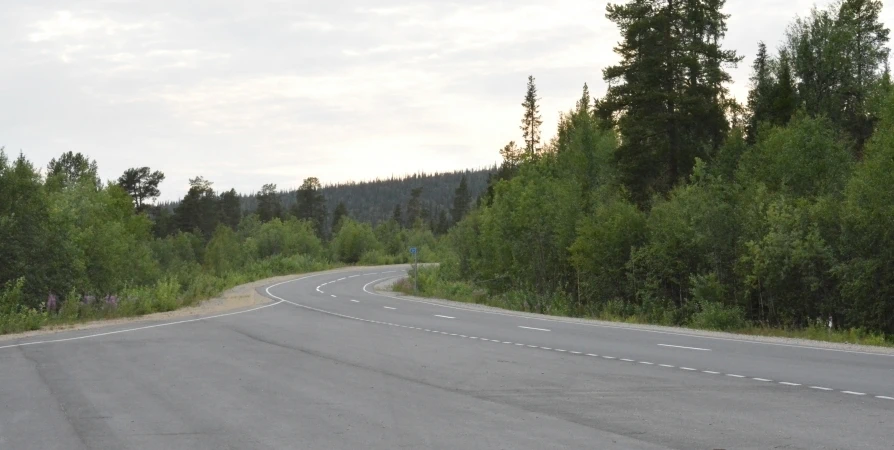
167,294
713,317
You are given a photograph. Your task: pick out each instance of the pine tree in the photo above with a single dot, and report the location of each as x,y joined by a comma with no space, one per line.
531,120
142,185
338,214
311,204
666,97
462,199
197,211
269,204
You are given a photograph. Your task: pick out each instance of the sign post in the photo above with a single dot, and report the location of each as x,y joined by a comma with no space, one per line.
415,253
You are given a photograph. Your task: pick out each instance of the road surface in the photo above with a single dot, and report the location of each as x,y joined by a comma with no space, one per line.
332,364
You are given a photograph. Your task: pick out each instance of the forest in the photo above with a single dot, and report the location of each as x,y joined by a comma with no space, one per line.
663,201
75,248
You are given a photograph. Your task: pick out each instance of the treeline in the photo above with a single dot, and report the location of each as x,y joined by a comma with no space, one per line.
667,202
375,201
75,248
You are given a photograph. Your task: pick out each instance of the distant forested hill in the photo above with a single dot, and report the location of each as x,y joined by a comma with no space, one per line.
374,201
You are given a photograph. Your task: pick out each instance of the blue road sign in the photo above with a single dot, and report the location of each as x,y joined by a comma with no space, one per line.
412,250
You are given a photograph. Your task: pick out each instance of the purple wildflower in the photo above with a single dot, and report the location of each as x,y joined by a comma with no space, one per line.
88,299
52,302
111,301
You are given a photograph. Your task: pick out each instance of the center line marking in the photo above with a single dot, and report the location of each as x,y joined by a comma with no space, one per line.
625,359
686,368
445,317
666,365
687,348
884,397
852,393
592,354
761,379
388,307
646,363
711,372
355,301
735,376
576,353
532,328
820,388
608,357
789,384
333,295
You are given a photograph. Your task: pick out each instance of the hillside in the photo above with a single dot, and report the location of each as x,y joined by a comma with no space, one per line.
374,201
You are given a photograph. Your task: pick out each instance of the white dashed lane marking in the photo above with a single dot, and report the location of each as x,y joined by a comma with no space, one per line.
559,350
687,348
333,295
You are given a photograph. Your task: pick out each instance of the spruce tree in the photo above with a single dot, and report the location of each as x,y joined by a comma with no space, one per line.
760,99
666,97
531,120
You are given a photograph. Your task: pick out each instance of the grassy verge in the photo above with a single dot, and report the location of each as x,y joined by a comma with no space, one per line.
167,294
707,317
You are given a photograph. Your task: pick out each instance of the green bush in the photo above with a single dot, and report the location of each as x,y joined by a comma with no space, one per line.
717,316
352,240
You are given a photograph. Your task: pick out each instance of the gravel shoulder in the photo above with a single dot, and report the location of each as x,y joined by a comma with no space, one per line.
386,288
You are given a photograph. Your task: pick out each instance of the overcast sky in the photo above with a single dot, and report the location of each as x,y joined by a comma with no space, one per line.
252,92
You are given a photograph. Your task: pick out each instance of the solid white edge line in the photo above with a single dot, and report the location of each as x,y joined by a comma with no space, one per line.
600,325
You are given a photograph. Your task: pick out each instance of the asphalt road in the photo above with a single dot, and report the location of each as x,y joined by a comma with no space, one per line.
331,364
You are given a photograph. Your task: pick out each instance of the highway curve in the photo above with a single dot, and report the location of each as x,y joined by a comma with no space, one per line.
330,363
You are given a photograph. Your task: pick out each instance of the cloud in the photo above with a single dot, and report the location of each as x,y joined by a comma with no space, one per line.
247,93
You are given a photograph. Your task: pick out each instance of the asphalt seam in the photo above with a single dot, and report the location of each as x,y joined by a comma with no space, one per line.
576,353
